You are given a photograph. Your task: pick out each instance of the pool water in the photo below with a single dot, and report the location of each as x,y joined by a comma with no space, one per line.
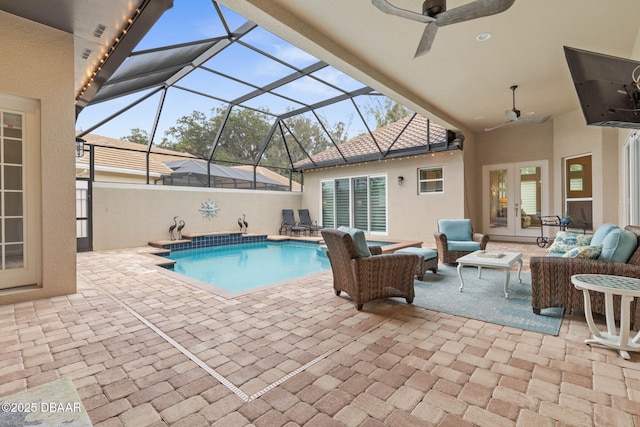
249,265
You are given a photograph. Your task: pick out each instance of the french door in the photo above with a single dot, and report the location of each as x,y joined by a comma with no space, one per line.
20,240
514,197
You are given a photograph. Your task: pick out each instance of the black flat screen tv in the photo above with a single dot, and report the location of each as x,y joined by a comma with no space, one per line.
605,87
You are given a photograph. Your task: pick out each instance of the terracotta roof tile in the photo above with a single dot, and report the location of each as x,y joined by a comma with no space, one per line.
404,134
134,160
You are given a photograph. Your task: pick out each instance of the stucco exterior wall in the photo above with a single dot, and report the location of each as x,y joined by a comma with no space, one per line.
131,215
410,216
572,137
37,63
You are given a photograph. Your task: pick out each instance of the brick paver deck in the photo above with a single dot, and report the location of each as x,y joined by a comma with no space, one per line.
144,349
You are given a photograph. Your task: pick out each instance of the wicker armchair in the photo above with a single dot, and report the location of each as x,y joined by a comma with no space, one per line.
449,250
369,278
551,280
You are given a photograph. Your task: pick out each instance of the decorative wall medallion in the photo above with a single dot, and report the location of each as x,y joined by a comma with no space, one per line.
209,209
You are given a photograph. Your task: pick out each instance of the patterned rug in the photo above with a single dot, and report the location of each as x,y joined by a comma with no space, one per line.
53,404
483,299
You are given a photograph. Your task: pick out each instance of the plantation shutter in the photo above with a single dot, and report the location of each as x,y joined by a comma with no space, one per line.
360,205
378,203
328,218
342,203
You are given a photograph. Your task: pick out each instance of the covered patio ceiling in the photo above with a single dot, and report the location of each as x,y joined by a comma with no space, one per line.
462,84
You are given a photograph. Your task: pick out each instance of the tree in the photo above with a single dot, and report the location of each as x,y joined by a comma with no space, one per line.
192,134
387,112
138,136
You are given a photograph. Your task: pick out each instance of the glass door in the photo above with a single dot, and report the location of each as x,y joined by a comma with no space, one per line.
514,197
19,193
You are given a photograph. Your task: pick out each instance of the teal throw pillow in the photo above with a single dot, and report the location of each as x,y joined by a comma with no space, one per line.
584,252
601,233
566,240
619,245
358,239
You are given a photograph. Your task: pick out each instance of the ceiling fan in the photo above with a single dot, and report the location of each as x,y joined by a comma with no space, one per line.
435,12
513,115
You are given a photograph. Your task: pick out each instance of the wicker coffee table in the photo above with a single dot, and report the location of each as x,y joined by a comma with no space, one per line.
487,259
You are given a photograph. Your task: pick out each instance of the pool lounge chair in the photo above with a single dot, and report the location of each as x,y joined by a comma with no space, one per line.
289,224
367,278
305,221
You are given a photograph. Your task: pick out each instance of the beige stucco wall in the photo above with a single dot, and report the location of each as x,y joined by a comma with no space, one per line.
411,216
37,63
572,137
131,215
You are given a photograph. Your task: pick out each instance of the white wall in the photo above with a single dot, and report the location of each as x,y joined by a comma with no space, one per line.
131,215
37,63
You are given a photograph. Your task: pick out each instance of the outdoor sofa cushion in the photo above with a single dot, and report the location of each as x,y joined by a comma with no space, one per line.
455,229
358,239
463,245
618,246
601,233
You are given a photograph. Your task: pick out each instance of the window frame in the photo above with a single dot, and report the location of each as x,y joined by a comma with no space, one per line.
352,217
421,181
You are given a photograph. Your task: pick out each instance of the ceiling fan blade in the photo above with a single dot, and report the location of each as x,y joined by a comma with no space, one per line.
426,41
499,126
473,10
534,120
387,7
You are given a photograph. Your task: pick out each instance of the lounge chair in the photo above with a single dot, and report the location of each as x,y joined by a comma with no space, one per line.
305,221
368,277
289,224
455,238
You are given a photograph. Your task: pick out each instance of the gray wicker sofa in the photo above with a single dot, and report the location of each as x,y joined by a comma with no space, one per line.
551,280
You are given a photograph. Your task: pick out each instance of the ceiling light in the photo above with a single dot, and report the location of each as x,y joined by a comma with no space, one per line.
483,37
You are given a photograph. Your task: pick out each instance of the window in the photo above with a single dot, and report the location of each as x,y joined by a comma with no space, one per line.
578,195
430,180
359,202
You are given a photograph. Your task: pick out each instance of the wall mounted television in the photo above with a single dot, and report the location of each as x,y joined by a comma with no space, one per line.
608,88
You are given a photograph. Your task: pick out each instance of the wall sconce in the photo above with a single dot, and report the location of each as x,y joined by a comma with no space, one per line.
400,180
80,147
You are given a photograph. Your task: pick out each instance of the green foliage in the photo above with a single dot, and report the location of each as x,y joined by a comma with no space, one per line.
387,111
138,136
245,132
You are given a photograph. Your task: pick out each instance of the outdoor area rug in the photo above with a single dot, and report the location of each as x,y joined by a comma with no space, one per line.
483,299
53,404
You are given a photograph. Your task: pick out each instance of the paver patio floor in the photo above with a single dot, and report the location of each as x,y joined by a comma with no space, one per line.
145,349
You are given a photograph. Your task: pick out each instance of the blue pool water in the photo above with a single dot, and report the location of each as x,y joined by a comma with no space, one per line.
249,265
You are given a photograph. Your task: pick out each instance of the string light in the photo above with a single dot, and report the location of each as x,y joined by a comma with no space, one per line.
102,60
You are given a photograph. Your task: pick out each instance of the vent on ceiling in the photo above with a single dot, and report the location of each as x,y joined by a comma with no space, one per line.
97,33
86,53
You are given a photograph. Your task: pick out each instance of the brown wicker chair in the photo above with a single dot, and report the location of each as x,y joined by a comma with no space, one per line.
369,278
551,280
449,256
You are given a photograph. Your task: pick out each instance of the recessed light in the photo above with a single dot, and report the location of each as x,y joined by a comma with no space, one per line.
483,37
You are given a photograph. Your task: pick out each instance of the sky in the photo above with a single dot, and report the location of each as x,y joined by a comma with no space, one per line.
191,20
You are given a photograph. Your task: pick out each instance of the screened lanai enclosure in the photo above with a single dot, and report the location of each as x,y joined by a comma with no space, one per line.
207,84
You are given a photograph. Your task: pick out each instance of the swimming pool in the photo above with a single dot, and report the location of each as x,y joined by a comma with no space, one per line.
246,266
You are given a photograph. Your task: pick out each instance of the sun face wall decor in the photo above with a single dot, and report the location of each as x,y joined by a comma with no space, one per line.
209,209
